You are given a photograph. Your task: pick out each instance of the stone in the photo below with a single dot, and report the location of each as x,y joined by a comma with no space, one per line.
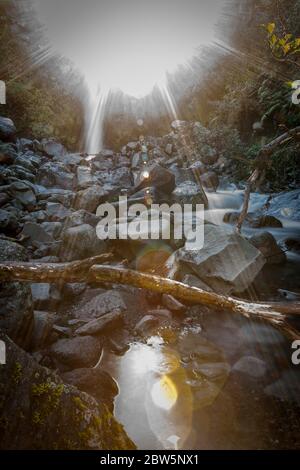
210,180
52,148
71,161
106,302
97,325
56,212
227,262
38,403
53,229
45,296
90,198
145,325
81,217
56,175
16,307
85,178
169,149
8,222
7,130
267,245
208,155
81,242
172,304
42,328
36,233
119,178
189,192
73,289
81,351
194,281
159,178
8,153
96,382
23,193
251,366
286,387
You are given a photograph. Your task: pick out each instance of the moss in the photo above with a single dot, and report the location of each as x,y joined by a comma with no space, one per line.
17,372
46,397
79,403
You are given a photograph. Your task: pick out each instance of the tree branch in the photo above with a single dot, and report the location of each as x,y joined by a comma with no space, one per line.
87,271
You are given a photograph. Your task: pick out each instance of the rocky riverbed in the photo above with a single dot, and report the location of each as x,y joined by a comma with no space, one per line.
85,360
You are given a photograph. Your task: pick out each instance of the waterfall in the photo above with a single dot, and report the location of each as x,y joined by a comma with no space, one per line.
94,117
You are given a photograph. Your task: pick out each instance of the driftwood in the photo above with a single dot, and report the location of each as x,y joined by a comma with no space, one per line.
89,271
262,161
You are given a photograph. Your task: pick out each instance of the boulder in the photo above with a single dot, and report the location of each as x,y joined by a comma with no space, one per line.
55,174
208,155
36,233
81,217
97,325
42,329
189,192
8,153
52,148
45,296
39,411
29,161
253,220
267,245
8,222
146,324
90,198
96,382
210,180
71,161
104,303
57,212
85,177
251,366
81,242
22,192
227,262
81,351
119,178
63,196
16,307
158,177
53,229
7,130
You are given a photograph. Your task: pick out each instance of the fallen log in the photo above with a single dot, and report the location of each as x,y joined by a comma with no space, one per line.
91,272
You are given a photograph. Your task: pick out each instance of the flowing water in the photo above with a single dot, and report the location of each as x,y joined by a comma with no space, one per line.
214,383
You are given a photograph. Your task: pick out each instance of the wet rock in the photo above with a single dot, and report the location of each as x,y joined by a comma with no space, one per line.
194,281
55,174
8,153
119,178
52,148
8,222
81,242
90,198
4,198
210,180
62,196
7,130
29,161
42,328
96,382
16,306
251,366
81,351
74,289
159,178
52,228
97,325
37,403
56,212
285,204
208,155
36,233
189,192
22,192
45,296
286,388
85,177
101,304
267,245
172,304
146,324
227,262
81,217
267,221
71,161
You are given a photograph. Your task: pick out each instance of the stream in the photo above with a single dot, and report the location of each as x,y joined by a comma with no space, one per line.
211,384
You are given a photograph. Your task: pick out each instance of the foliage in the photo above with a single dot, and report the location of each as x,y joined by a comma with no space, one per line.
283,46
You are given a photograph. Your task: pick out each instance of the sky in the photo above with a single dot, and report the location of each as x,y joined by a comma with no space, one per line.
128,44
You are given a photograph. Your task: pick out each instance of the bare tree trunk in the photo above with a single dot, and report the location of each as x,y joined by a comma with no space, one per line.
88,271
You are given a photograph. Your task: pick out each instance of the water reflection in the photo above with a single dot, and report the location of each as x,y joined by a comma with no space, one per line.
161,387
